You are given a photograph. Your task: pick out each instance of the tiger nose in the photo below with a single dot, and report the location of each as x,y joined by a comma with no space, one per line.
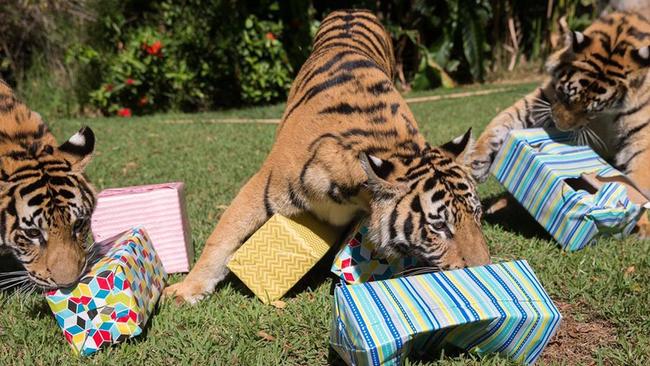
65,267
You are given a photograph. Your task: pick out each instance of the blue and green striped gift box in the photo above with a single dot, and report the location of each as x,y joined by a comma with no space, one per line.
499,308
534,165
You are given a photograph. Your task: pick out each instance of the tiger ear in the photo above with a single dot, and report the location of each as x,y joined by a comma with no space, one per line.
377,170
78,150
577,41
460,147
642,56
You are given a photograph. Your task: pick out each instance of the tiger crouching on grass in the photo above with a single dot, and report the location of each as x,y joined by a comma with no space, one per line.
348,143
45,200
599,87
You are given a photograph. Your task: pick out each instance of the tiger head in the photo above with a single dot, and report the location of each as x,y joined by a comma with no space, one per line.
424,205
595,71
46,206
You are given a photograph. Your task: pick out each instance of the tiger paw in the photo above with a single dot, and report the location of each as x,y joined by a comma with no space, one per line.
185,292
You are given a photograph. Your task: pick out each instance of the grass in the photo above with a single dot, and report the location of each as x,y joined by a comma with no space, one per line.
214,160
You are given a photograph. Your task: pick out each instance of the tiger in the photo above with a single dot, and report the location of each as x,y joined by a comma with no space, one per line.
348,144
45,199
598,87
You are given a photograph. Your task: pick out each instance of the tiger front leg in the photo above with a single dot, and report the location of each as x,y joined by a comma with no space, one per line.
534,110
245,215
488,144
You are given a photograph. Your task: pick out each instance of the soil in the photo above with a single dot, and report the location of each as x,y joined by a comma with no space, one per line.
576,342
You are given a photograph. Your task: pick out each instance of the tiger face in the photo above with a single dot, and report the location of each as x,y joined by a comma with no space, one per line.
47,203
596,70
426,206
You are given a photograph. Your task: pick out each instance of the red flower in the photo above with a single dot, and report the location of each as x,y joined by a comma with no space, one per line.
270,36
154,49
124,112
109,87
143,101
128,81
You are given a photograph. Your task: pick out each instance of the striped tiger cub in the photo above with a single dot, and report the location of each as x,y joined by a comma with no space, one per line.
45,199
348,144
598,87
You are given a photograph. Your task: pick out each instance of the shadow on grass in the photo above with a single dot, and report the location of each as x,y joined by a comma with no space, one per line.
514,218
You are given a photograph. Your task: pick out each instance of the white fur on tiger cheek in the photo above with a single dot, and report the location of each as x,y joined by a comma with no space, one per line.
644,52
77,139
580,37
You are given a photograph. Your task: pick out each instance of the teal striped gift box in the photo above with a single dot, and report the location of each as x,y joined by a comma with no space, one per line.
537,165
500,308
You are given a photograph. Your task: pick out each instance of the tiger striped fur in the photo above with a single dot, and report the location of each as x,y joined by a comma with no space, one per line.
348,144
598,86
45,200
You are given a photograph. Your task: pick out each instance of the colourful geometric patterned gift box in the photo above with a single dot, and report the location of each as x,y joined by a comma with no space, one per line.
500,308
357,262
280,253
159,208
570,190
114,300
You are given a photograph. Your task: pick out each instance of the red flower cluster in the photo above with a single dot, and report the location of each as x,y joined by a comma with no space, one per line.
129,81
270,36
154,49
124,112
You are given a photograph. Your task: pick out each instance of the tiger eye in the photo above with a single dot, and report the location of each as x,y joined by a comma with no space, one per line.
438,225
32,233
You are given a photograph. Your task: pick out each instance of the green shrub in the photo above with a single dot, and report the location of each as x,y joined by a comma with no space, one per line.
265,73
144,76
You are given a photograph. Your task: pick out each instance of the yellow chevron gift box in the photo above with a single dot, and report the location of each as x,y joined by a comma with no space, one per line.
114,300
499,308
570,190
280,253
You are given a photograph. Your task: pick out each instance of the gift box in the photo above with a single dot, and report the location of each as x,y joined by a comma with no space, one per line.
499,308
280,253
113,301
160,209
357,260
570,190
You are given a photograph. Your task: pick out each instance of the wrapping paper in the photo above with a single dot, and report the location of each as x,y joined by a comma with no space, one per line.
357,261
280,253
536,165
498,308
114,300
160,208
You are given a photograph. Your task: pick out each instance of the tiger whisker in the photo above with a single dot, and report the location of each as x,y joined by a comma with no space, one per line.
12,279
417,271
542,101
12,274
26,290
7,284
596,139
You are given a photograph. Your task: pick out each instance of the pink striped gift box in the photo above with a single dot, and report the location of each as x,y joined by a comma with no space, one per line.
159,208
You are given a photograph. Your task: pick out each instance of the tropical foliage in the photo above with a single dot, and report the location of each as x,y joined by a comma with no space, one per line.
143,56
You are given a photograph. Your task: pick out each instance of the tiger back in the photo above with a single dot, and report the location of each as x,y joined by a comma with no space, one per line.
348,144
45,200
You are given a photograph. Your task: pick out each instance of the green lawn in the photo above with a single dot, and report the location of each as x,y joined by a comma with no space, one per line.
214,160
